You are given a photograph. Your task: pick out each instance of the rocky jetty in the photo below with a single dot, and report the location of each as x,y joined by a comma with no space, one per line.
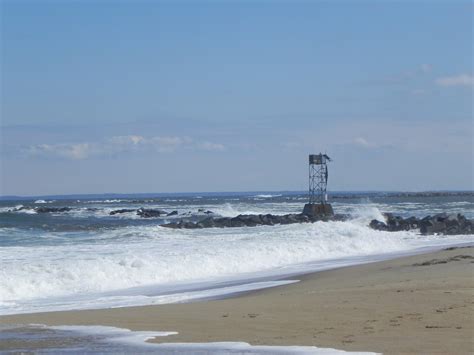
154,213
249,220
52,209
42,209
441,223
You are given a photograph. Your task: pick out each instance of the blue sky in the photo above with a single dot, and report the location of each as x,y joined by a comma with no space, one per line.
153,96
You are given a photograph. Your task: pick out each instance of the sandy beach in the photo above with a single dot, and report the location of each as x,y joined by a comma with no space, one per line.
415,304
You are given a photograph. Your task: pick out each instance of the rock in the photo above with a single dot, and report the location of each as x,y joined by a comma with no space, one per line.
245,221
267,219
171,225
208,222
433,227
236,222
377,225
440,217
287,219
396,223
124,210
412,222
172,213
441,223
203,210
149,213
52,209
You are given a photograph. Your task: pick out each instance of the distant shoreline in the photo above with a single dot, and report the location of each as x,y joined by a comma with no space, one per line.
332,194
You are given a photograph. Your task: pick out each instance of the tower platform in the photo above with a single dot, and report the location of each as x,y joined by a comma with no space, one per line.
318,209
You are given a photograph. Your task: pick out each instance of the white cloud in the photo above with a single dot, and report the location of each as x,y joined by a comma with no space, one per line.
414,75
70,151
426,68
127,139
456,80
418,92
120,145
79,151
215,147
168,144
362,142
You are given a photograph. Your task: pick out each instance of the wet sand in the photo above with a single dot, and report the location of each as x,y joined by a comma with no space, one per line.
416,304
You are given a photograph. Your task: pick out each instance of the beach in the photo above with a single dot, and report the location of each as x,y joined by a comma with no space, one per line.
414,304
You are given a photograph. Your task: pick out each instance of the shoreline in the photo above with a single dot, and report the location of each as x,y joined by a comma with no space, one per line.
418,303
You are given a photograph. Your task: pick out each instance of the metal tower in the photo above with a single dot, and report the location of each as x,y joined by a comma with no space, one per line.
318,177
317,207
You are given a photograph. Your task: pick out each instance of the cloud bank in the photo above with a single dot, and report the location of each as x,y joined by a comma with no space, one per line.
121,145
456,80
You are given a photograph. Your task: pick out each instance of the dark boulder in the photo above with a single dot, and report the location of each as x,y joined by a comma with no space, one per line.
267,219
432,226
441,223
52,209
172,213
412,222
208,223
124,210
397,223
149,213
246,221
377,225
203,210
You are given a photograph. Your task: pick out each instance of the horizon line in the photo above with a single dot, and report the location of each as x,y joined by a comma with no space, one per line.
7,197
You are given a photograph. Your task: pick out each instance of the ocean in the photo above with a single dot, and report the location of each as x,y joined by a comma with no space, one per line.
86,258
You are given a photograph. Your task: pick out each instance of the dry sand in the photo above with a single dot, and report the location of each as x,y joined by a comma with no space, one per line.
416,304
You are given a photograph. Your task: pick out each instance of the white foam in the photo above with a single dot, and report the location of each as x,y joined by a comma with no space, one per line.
16,209
113,334
104,201
231,210
139,339
207,290
44,201
27,211
139,256
266,196
365,214
245,348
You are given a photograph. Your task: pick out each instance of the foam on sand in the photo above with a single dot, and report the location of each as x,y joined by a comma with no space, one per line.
112,339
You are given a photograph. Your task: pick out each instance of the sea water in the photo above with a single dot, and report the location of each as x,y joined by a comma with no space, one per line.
86,258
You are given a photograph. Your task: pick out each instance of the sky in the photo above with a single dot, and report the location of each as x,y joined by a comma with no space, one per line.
162,96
